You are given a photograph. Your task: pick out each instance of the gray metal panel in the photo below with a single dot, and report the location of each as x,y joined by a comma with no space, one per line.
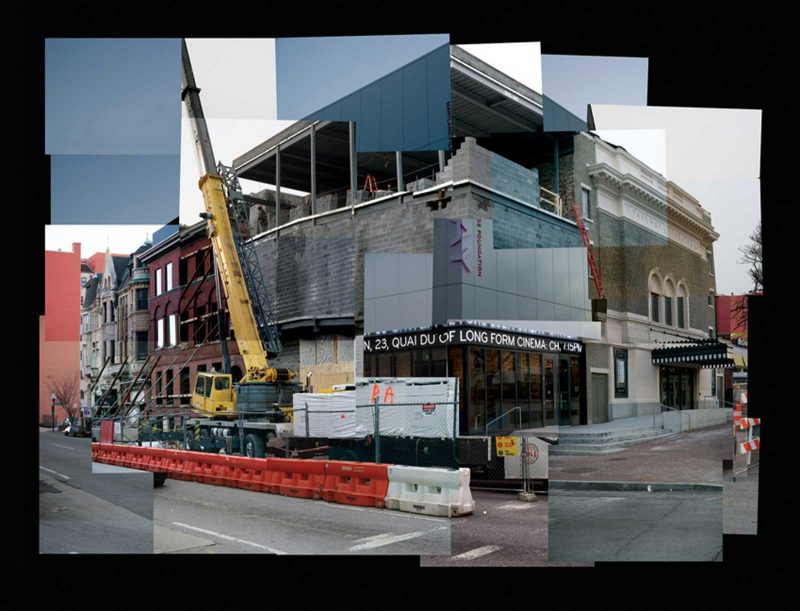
369,316
387,313
577,288
486,303
506,261
440,229
508,306
466,307
413,272
527,308
561,275
525,273
561,312
386,277
439,305
544,274
414,309
369,276
544,310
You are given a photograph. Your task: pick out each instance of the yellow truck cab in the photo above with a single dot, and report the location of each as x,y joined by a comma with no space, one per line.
214,394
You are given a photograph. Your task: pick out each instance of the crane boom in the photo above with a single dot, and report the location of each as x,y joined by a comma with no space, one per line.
221,235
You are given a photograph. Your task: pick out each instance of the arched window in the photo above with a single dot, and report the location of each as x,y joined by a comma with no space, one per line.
682,306
669,301
656,287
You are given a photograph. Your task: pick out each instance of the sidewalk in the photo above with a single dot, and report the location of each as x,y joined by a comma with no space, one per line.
685,458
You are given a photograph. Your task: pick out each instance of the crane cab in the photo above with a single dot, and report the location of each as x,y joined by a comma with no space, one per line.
214,394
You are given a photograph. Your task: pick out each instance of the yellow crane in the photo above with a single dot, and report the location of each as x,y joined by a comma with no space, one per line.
262,389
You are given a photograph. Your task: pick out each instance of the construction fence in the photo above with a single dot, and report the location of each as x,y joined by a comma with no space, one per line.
746,440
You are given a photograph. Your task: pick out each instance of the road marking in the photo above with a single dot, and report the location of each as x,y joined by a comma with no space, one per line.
66,477
384,512
514,505
58,445
388,539
229,538
477,552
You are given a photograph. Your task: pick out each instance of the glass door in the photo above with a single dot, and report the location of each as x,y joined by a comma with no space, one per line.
549,368
563,391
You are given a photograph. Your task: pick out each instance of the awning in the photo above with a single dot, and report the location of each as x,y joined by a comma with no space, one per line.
708,354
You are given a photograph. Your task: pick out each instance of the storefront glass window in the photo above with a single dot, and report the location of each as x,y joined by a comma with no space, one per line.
477,390
509,391
524,386
536,389
493,389
438,363
575,394
456,366
402,364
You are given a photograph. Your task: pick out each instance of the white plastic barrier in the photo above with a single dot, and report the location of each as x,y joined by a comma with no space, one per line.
435,492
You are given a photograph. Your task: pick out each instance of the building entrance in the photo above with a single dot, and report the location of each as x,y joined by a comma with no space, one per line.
677,387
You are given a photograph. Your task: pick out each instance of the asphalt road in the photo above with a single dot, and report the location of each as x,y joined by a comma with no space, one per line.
635,526
503,531
82,512
740,503
200,518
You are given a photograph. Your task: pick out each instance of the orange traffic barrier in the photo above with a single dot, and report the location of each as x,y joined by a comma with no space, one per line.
297,477
356,483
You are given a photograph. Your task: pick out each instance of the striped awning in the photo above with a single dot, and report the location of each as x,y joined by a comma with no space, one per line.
708,354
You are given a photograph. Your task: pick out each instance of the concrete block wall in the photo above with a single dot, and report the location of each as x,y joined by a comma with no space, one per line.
494,171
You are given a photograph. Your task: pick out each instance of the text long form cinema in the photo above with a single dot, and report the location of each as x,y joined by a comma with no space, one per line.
498,368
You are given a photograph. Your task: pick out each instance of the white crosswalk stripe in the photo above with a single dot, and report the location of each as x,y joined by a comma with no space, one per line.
477,552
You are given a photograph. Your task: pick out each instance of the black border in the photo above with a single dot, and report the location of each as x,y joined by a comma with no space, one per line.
733,55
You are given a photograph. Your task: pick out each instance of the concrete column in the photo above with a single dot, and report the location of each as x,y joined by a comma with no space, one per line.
313,136
352,133
277,185
401,186
442,161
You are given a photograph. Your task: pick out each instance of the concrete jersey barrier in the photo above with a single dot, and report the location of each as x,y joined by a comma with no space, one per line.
430,491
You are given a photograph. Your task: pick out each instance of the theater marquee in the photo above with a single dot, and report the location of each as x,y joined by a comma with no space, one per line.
469,335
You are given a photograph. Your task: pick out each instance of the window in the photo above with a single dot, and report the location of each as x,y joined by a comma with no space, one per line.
160,333
168,273
141,299
654,307
585,202
185,390
710,257
158,281
668,310
711,333
222,383
141,345
620,372
183,272
200,385
173,329
710,299
681,320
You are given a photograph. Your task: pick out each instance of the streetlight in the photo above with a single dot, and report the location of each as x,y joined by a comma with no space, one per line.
53,412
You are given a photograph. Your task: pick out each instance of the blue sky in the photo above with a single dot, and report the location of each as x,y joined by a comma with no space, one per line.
573,81
112,189
313,72
112,96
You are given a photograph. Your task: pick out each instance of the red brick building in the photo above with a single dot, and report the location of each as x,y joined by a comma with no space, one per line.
59,328
184,334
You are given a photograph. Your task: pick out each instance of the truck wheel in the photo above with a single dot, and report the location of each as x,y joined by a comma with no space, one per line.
159,479
254,446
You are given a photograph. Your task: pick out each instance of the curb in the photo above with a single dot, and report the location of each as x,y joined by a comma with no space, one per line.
640,486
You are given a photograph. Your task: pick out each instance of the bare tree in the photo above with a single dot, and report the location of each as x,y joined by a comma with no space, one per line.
752,256
65,387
